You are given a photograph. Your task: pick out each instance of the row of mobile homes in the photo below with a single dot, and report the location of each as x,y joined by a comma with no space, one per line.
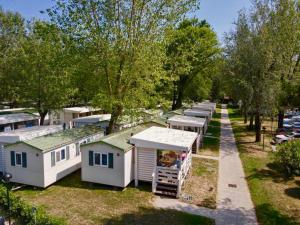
101,120
23,134
213,104
163,156
17,120
41,161
189,123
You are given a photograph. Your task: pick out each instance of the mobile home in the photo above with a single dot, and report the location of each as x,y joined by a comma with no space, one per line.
198,113
44,160
110,160
17,120
101,120
189,123
163,157
23,134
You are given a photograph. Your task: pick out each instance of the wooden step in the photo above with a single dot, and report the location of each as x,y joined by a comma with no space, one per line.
167,193
168,188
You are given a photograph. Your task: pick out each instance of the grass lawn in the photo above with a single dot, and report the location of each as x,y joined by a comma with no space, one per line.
211,144
84,203
276,197
202,183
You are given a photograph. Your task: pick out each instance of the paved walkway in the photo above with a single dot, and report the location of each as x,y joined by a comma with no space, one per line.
234,205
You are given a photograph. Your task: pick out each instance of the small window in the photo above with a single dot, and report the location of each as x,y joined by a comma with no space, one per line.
63,154
58,156
104,159
18,159
97,159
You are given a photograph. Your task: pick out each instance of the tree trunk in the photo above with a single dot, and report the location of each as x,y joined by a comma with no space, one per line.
280,118
257,127
116,112
43,115
245,117
178,104
174,96
251,122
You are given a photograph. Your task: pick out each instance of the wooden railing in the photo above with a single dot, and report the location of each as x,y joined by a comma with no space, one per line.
169,176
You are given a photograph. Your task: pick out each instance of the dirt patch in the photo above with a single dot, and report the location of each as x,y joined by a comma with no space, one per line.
201,186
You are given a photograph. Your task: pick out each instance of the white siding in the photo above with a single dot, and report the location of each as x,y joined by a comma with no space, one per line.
61,168
128,167
103,175
2,161
33,174
146,162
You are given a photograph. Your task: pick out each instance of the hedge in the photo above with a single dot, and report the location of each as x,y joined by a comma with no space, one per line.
288,155
22,211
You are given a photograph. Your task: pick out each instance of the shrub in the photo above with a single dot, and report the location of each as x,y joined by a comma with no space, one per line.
288,155
22,211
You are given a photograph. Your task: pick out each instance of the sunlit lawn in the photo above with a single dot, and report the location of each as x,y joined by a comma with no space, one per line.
211,142
276,197
84,203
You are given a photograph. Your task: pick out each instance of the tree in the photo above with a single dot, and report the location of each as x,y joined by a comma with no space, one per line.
12,33
126,37
47,84
192,53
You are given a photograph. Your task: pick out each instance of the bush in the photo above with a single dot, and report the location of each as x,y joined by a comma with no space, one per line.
23,211
288,155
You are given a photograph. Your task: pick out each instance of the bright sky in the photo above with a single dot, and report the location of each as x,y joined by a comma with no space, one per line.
219,13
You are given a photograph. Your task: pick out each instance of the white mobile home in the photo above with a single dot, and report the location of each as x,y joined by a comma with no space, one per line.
213,104
163,157
198,113
204,107
189,123
44,160
66,115
23,134
110,160
17,120
101,120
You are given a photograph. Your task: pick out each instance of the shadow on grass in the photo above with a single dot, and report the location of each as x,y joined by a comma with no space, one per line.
272,171
74,181
267,215
150,216
293,192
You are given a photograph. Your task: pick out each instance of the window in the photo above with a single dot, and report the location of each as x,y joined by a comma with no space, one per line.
18,159
104,160
63,154
97,159
101,159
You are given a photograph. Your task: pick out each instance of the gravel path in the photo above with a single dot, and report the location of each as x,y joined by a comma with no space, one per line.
234,205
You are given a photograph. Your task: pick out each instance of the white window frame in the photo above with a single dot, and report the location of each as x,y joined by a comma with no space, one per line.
77,149
18,153
101,154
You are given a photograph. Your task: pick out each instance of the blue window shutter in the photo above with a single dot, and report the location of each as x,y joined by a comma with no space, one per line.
52,158
12,158
110,160
24,160
91,158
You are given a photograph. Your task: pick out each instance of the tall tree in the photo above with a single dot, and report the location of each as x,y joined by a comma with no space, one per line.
126,36
12,34
46,85
192,54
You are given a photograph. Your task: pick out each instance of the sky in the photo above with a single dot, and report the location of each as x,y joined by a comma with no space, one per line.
219,13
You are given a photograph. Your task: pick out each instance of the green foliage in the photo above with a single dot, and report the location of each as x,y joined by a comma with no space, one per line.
23,211
288,155
192,58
